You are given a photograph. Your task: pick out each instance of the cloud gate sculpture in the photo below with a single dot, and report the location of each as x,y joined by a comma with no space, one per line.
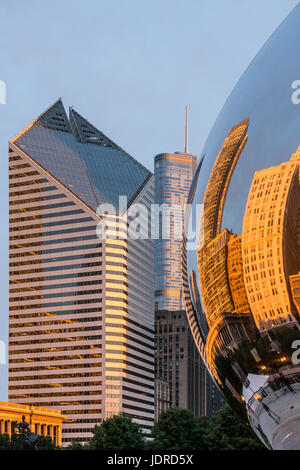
241,253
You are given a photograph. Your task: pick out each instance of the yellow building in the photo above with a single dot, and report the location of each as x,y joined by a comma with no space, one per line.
270,243
236,276
42,421
216,191
226,334
215,290
295,288
212,252
219,256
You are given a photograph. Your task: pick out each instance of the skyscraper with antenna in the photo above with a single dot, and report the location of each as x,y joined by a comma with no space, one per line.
173,177
177,360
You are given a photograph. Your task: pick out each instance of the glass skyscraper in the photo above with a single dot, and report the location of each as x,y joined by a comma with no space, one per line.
177,359
173,178
81,308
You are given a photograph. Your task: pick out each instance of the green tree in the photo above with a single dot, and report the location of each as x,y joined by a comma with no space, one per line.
199,435
41,443
175,429
5,443
75,445
117,433
226,431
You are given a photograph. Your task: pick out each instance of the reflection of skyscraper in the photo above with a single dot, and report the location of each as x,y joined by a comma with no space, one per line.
220,259
212,254
81,308
197,303
219,180
226,334
236,276
295,288
270,243
214,282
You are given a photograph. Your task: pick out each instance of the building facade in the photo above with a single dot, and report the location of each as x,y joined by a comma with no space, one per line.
179,363
42,421
162,396
173,176
81,303
177,359
213,248
271,243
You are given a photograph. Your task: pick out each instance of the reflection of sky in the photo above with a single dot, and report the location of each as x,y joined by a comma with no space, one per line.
264,94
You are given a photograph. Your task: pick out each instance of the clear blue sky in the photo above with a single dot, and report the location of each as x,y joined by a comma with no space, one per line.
129,67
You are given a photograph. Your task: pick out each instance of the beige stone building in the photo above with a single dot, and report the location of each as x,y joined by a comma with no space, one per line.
42,421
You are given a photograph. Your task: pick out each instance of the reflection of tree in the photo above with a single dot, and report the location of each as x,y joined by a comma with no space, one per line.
284,337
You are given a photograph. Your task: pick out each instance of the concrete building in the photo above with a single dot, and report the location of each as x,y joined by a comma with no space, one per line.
42,421
162,396
179,363
81,305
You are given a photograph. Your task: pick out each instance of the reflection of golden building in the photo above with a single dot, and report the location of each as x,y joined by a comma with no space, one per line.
42,421
226,335
212,256
236,276
295,288
220,258
215,289
219,180
270,243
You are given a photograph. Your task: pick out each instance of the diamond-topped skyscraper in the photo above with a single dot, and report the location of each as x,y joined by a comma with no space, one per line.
81,307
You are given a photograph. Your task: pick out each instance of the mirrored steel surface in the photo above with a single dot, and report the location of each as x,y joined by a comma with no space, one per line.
242,273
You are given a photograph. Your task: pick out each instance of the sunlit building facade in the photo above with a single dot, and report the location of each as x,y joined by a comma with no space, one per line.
81,307
213,244
271,243
217,187
219,256
236,275
295,288
251,219
42,421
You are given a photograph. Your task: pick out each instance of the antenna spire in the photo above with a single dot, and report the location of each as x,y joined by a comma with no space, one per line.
186,130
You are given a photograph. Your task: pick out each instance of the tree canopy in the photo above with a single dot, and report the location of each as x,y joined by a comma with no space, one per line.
41,443
117,433
178,429
227,431
174,430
